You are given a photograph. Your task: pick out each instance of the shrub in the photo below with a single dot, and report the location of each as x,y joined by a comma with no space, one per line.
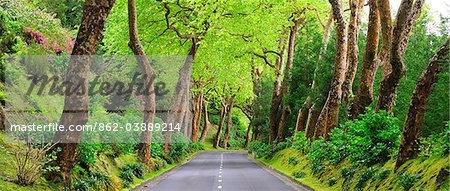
301,143
293,161
383,174
368,140
101,181
261,149
30,161
157,150
437,144
178,151
299,174
87,153
317,155
347,173
137,169
81,185
195,146
127,177
407,180
364,176
331,181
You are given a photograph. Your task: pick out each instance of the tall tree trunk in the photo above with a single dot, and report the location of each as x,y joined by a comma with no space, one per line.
356,7
386,35
364,96
76,105
181,94
328,117
2,119
411,131
406,16
305,114
229,123
197,104
248,137
148,96
313,115
205,121
282,125
293,33
223,112
276,100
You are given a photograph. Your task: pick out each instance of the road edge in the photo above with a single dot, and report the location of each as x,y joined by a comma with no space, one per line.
283,177
155,180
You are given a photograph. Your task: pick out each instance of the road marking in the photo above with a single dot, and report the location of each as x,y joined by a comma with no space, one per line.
220,176
220,180
219,187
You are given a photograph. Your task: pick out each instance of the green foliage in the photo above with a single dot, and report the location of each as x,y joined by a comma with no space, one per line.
383,174
317,155
178,151
331,181
157,150
301,142
94,181
364,176
261,149
437,144
127,177
299,174
407,180
293,161
347,173
137,169
88,152
368,140
195,146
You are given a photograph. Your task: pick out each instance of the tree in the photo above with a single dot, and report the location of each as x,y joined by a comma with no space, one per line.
406,16
364,94
409,146
229,122
149,96
206,123
76,105
293,33
308,113
356,8
328,117
223,113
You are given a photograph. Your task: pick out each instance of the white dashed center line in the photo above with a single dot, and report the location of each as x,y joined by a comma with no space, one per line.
220,172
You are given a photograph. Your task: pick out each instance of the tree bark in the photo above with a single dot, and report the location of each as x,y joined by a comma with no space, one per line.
149,96
282,125
364,94
386,34
356,7
229,123
206,122
409,146
223,112
305,114
181,93
197,105
328,117
406,16
76,105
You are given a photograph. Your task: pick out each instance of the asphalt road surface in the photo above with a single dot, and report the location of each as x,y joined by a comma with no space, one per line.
220,171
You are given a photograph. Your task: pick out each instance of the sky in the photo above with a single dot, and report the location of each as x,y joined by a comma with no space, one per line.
438,7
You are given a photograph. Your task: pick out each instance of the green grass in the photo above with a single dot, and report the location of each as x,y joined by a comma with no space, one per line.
428,167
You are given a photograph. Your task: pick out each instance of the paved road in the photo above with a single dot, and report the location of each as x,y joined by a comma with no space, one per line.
221,171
